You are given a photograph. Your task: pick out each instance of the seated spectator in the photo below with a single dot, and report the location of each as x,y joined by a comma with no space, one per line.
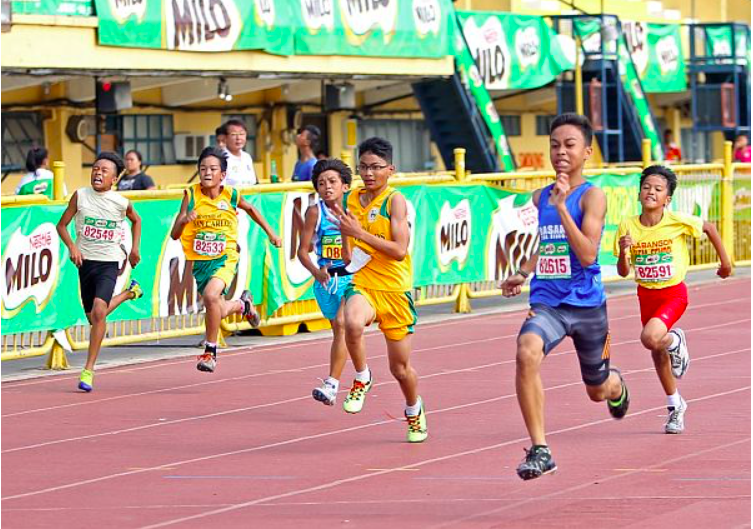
220,137
134,179
307,142
672,152
39,179
240,165
742,149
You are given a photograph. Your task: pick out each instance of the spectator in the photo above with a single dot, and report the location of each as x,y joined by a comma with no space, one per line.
240,165
134,179
672,152
39,179
742,149
307,142
220,137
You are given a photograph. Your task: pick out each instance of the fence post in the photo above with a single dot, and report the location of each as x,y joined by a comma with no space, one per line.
728,210
58,181
459,164
347,157
646,152
463,303
57,359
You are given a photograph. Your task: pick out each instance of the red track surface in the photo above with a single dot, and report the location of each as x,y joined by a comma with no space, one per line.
162,444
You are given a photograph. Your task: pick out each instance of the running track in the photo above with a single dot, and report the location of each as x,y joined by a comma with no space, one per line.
163,445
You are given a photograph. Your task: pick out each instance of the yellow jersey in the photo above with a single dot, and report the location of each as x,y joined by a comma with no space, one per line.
381,272
659,254
215,231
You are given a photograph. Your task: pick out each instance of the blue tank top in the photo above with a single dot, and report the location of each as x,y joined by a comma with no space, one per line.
560,278
328,239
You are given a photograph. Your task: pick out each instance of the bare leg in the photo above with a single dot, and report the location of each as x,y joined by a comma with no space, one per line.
117,300
656,339
338,355
398,352
358,315
528,385
97,319
217,308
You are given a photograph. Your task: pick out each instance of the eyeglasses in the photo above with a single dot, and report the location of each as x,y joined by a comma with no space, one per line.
363,168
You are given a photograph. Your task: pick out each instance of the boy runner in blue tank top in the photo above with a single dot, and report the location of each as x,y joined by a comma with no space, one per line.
567,297
331,179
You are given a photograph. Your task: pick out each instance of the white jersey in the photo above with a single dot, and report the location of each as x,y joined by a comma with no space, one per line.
99,224
240,170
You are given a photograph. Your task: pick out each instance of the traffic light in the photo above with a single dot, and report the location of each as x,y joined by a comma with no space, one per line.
113,96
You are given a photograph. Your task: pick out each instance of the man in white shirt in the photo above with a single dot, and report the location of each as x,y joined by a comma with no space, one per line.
240,166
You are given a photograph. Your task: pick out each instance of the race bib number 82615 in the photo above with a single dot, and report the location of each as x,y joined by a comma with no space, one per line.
554,261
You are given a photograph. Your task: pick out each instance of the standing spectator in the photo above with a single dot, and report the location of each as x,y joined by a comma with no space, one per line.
134,179
38,180
672,152
220,137
742,149
240,166
307,142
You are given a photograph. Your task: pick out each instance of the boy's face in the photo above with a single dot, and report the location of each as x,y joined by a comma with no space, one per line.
104,173
374,170
210,172
303,139
330,186
236,138
568,151
654,192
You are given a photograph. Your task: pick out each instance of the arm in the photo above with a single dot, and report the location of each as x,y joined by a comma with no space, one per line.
725,268
395,249
62,229
307,234
149,183
261,221
183,218
134,256
623,259
584,241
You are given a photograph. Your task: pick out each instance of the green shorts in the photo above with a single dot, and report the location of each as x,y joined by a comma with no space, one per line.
223,268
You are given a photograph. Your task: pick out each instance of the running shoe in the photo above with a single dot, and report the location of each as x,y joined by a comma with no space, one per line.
249,311
86,382
538,462
357,396
676,419
208,361
619,408
679,355
136,289
326,394
417,432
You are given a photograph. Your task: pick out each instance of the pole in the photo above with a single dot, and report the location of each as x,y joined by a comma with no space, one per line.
58,181
578,78
459,164
728,210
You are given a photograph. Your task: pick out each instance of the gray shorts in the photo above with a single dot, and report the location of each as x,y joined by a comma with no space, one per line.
587,326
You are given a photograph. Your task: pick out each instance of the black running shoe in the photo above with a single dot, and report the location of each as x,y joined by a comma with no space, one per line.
538,462
619,408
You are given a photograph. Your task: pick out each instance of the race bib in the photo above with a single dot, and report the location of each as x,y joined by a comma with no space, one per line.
655,267
332,247
209,244
99,229
554,261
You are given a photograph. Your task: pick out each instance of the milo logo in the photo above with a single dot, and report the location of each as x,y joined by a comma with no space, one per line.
427,16
202,25
488,46
453,233
512,236
361,16
317,14
636,36
31,265
265,12
667,54
528,46
294,274
123,9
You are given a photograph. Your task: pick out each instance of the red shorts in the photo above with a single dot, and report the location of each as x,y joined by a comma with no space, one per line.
667,304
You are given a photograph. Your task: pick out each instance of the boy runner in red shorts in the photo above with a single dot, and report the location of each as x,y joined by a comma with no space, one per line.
654,244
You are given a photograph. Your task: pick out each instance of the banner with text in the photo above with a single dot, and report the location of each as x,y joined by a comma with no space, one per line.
656,50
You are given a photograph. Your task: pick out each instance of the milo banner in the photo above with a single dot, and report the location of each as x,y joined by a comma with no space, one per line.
77,8
656,50
512,51
721,38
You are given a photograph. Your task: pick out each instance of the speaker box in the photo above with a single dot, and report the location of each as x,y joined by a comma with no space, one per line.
339,97
112,97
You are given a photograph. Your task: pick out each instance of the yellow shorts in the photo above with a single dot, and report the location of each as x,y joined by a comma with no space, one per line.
223,268
395,311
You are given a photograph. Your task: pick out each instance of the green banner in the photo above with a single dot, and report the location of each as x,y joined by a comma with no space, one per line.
656,50
471,79
512,51
78,8
719,40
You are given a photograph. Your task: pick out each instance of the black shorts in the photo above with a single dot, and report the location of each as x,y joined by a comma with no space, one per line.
587,326
97,279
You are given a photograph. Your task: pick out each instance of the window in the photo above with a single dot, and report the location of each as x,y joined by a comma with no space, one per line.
410,141
250,121
21,132
511,124
150,134
543,124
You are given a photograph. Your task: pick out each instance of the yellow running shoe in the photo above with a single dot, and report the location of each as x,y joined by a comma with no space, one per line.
357,396
86,382
417,432
135,287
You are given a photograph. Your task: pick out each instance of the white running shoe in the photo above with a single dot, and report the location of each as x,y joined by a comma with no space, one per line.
326,394
676,418
679,355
